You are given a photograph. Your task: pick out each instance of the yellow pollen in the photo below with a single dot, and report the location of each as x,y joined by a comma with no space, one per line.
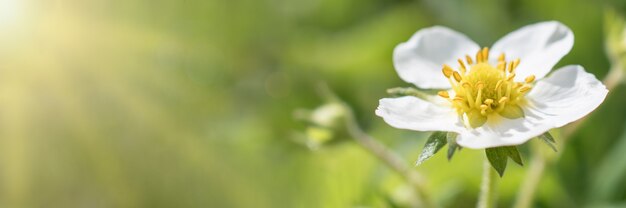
501,66
482,88
511,68
469,59
485,54
516,63
463,69
498,84
480,85
524,89
457,76
447,71
510,77
466,85
443,94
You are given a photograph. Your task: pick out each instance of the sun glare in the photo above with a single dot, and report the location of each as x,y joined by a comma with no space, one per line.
10,11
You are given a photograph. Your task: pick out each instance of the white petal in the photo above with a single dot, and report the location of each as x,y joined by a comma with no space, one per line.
419,60
539,47
413,113
500,131
566,96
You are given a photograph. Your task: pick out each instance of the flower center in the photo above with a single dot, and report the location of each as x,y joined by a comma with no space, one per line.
480,89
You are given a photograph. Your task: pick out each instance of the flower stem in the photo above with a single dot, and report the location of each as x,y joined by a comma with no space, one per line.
380,151
488,187
390,158
527,191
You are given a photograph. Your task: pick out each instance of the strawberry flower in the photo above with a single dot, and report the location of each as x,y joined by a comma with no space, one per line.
491,97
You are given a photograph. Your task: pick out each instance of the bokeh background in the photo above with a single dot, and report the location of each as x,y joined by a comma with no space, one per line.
167,103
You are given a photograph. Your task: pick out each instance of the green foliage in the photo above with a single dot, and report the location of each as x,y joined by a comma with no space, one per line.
190,103
498,157
608,178
548,140
452,145
434,143
614,27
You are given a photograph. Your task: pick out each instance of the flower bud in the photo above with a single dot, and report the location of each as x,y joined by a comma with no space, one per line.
327,124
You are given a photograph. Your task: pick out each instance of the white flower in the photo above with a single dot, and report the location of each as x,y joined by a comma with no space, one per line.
492,99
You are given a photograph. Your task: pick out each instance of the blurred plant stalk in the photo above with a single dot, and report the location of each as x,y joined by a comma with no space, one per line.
488,192
615,45
379,150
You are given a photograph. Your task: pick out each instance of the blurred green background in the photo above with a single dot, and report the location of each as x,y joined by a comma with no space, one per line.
169,103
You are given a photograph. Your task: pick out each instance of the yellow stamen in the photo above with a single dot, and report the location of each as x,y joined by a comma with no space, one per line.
468,93
447,71
501,66
502,103
509,87
485,54
457,76
443,94
488,102
511,68
501,58
480,85
524,89
510,77
483,109
463,70
503,100
469,59
498,84
516,63
482,89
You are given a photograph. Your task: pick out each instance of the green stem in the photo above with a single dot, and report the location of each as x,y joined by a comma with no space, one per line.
390,158
533,176
488,187
380,151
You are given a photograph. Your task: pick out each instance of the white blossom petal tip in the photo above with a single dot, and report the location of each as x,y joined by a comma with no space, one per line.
413,113
540,46
419,60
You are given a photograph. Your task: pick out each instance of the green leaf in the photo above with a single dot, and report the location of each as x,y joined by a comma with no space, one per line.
514,154
498,157
608,176
548,139
452,145
434,143
614,24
